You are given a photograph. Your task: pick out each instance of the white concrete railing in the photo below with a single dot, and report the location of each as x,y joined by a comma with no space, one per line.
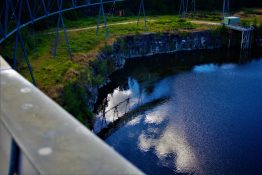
37,136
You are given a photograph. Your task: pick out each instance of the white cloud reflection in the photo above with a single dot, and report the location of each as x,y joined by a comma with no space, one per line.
155,117
137,96
135,121
205,68
114,99
145,143
213,67
171,142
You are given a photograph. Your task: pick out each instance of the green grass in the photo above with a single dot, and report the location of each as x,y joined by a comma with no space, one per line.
254,21
55,76
247,16
85,44
91,21
50,72
206,16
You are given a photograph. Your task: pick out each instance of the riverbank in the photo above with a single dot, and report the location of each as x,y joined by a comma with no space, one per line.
74,83
113,57
208,103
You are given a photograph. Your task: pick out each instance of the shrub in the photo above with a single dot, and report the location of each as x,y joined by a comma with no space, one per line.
74,100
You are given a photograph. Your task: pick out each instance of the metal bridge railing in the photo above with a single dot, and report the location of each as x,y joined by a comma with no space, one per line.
37,136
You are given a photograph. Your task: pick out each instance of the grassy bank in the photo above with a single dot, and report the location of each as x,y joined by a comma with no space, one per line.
65,80
52,74
248,16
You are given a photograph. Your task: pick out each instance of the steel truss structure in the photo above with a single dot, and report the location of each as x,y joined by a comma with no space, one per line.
186,6
17,14
226,10
142,10
102,12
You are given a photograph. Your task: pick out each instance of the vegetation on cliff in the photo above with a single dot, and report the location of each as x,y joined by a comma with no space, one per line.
68,81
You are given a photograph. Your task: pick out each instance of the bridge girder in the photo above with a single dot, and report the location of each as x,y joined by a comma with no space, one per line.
226,9
11,12
186,6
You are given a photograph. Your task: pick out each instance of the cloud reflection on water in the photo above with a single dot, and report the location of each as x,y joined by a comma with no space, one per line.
167,139
114,99
211,124
170,142
213,67
137,96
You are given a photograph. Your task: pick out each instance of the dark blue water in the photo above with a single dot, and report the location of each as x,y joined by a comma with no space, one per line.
212,123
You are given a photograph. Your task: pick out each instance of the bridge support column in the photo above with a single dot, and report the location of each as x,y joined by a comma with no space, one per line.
112,9
102,11
225,8
186,6
20,40
142,9
61,21
193,5
183,8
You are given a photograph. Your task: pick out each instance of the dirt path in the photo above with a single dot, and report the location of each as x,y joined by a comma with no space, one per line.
130,22
206,22
94,27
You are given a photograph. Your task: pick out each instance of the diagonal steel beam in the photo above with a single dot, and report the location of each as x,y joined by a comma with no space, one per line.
29,11
112,10
44,6
1,29
102,12
226,10
19,40
6,17
60,21
142,10
38,18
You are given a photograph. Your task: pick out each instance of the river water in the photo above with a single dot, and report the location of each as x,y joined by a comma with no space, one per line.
211,122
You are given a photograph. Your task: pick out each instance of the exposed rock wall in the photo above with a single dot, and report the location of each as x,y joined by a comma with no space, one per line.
148,44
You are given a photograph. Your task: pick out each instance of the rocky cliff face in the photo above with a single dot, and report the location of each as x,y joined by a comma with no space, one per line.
148,44
145,45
